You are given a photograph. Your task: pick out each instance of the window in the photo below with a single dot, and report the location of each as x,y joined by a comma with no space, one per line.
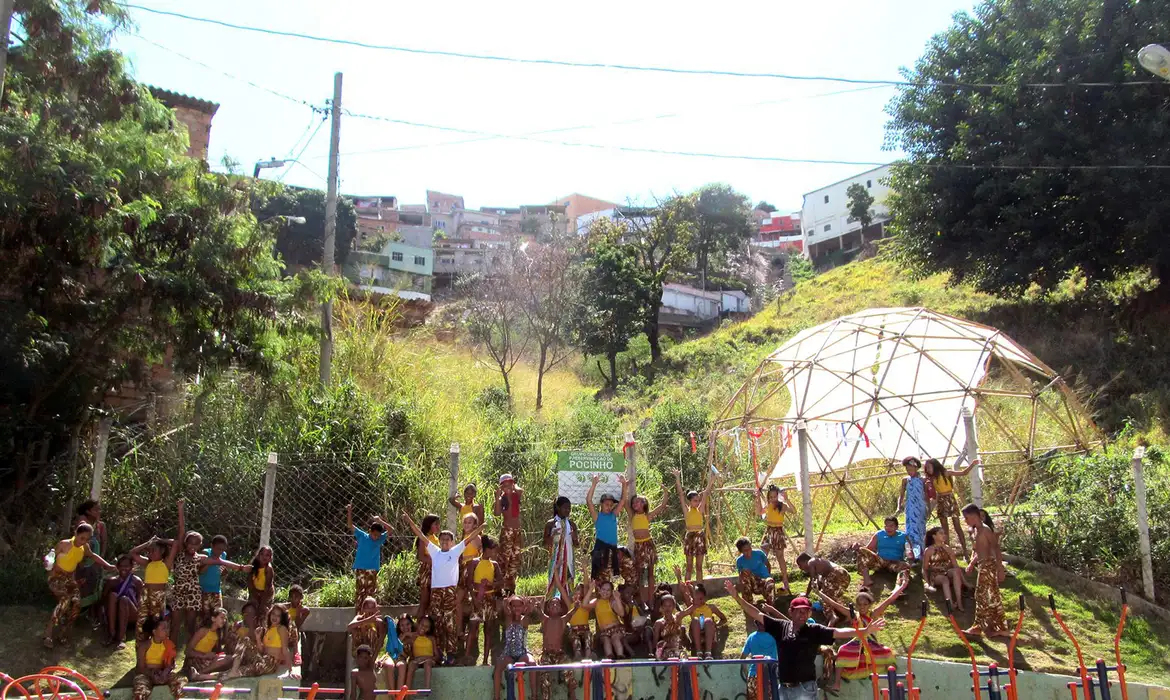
826,199
396,257
828,227
446,261
868,184
420,260
441,224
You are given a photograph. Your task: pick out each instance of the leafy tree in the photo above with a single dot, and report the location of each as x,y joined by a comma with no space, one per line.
764,206
613,298
548,279
118,250
303,244
661,243
860,204
799,268
1018,184
723,227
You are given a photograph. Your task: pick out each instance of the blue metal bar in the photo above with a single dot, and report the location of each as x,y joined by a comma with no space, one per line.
1103,680
582,665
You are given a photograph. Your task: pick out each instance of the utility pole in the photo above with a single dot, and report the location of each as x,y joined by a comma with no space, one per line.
6,7
330,231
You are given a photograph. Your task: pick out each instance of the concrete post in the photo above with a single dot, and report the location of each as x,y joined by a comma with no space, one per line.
1143,523
99,457
453,523
805,485
269,494
972,453
631,454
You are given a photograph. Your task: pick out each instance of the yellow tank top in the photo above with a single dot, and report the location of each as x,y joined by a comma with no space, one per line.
466,509
155,653
423,646
205,645
272,637
156,573
704,610
944,484
605,614
694,519
640,521
485,572
773,517
581,617
292,614
434,540
260,579
68,561
242,632
471,551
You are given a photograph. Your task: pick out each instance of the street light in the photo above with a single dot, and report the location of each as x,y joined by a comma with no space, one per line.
262,164
1155,58
287,219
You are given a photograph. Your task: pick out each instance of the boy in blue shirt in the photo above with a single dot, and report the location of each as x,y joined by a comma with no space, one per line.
210,577
755,575
759,643
368,558
605,526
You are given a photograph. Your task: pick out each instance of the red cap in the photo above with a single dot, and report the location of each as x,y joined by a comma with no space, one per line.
799,602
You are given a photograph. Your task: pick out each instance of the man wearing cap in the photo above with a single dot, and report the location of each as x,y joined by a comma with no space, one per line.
798,641
507,504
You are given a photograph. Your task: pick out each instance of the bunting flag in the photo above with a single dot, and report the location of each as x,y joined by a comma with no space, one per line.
628,444
753,437
863,434
694,445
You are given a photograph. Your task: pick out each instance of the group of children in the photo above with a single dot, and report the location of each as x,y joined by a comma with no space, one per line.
179,587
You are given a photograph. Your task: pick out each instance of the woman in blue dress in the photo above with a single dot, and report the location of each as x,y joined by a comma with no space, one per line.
913,500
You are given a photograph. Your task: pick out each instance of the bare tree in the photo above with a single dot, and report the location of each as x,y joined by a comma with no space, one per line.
496,322
549,282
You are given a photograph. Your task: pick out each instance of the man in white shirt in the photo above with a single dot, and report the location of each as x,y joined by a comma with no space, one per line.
445,560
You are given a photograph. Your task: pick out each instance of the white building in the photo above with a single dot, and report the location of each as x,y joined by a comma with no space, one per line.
825,214
630,216
687,307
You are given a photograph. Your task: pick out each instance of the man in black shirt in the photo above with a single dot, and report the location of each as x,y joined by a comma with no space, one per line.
798,643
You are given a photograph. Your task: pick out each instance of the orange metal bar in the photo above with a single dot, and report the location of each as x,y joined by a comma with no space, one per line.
216,691
1073,687
1086,684
608,683
970,652
673,684
913,691
1011,686
759,680
76,677
586,679
1117,646
855,620
695,683
520,685
312,690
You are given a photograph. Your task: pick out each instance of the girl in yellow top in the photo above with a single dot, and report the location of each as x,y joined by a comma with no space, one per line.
645,553
67,556
694,505
297,614
773,508
156,662
703,634
608,609
482,577
262,582
203,657
422,652
272,641
946,502
156,572
468,505
368,627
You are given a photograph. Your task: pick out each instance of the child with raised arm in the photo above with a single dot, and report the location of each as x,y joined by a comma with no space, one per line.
608,609
554,619
468,505
605,523
852,662
645,553
946,502
445,560
773,508
430,526
156,572
368,558
516,612
211,576
483,577
580,634
703,625
940,569
694,505
507,505
367,627
186,596
365,680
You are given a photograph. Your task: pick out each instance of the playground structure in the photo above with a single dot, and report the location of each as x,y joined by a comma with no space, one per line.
1089,685
899,686
61,683
996,688
311,692
684,676
844,402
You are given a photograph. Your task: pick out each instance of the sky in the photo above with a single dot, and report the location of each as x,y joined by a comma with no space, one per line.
505,163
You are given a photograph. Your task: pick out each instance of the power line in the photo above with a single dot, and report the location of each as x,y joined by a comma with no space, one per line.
296,159
617,66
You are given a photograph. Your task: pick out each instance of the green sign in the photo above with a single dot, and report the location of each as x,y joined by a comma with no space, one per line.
575,472
591,462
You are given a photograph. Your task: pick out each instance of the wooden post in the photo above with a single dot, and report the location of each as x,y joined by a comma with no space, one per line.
74,449
972,452
631,454
99,457
1143,522
453,523
269,493
805,485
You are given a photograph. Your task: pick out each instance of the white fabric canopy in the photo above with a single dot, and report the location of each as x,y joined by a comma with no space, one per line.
886,383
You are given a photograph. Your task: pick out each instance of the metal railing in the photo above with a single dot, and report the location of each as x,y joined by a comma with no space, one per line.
684,675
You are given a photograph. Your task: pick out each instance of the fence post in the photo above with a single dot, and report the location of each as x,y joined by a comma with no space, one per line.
74,450
805,485
972,454
1143,522
269,493
631,455
453,490
99,457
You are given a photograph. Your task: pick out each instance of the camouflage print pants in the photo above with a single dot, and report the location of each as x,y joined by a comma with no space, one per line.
511,545
989,614
68,594
555,656
144,683
153,604
443,602
365,586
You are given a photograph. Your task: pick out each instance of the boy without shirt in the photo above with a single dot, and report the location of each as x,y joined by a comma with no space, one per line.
365,681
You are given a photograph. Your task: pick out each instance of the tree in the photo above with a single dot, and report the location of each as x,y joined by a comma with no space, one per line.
495,320
1019,184
548,278
661,242
303,244
118,250
860,204
764,206
614,289
723,226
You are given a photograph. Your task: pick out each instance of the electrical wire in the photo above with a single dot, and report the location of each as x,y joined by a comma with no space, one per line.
617,66
296,159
